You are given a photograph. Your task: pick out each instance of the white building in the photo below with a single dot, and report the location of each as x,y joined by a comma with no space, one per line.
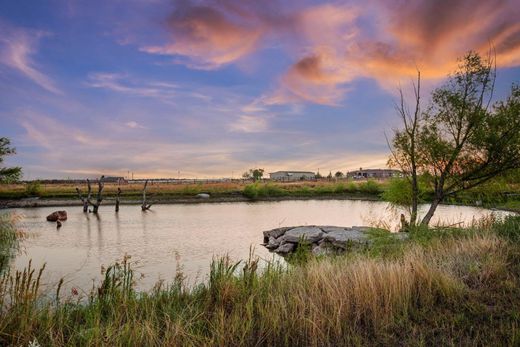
292,175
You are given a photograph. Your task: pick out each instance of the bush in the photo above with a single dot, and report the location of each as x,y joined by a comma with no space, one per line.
370,187
251,191
33,188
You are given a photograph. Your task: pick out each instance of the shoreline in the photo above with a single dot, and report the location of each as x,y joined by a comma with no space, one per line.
46,202
49,202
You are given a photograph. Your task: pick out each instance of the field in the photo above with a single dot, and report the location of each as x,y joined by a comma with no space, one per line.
441,287
500,193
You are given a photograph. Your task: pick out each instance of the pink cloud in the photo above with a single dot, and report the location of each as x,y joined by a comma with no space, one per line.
17,46
333,44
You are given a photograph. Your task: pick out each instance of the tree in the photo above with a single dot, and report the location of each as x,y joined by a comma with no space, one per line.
404,148
338,174
256,174
8,174
460,141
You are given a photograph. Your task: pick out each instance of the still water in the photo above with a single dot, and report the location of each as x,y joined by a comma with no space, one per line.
169,236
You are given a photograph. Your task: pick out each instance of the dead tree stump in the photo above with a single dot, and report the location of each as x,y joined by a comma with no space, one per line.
144,206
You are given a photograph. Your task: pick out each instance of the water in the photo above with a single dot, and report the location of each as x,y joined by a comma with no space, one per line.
168,236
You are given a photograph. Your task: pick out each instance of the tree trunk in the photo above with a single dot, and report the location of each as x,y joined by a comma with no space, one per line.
415,200
436,201
144,206
117,198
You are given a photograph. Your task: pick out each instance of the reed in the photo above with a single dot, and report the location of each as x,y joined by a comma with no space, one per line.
454,287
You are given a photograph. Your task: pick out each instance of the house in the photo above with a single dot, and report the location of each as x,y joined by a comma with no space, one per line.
374,173
292,175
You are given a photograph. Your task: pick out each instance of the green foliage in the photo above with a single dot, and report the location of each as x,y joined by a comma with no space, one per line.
33,188
370,187
509,228
9,239
8,174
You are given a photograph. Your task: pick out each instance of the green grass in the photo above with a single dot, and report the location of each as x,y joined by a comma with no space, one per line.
264,190
9,239
441,287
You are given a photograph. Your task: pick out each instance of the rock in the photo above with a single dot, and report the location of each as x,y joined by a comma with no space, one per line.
345,236
285,248
57,215
273,243
276,233
203,196
328,229
310,234
401,236
321,250
58,224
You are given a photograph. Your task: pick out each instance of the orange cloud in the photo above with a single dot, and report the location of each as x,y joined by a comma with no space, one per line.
333,44
427,34
211,36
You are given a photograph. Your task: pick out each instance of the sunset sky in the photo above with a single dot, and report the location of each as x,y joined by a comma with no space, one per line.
213,88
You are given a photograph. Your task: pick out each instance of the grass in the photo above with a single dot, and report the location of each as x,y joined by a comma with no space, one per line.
10,237
441,287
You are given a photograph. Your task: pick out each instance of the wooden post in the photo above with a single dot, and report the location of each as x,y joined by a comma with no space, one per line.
85,201
144,206
117,198
99,198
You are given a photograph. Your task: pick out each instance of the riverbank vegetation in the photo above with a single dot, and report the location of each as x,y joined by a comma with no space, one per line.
441,287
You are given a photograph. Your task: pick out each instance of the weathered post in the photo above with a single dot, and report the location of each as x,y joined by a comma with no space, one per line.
117,198
144,206
85,200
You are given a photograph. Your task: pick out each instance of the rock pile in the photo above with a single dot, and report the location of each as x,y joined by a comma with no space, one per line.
323,239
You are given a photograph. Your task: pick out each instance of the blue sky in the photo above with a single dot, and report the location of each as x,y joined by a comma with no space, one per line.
213,88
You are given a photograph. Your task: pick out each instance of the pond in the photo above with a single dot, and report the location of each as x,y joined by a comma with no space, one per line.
186,235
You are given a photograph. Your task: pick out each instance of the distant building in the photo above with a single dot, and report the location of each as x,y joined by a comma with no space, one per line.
292,175
374,173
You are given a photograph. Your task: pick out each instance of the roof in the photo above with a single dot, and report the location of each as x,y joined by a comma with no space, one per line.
367,170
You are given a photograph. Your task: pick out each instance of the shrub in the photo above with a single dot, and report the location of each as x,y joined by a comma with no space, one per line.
370,187
33,188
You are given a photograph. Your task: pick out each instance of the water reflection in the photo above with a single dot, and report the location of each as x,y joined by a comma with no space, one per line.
169,236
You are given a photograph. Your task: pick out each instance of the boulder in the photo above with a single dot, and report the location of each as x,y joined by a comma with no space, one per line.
273,243
276,233
203,196
341,238
57,215
328,229
285,248
309,234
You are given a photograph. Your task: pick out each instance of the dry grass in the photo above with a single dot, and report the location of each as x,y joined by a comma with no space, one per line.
458,289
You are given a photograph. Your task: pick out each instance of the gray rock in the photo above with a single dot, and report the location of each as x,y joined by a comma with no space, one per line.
342,237
310,234
401,236
273,243
361,229
285,248
203,196
276,233
329,229
321,250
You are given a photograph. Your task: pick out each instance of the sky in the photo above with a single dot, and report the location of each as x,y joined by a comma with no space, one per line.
205,89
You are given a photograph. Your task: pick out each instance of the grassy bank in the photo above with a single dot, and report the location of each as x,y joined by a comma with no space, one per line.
499,193
442,287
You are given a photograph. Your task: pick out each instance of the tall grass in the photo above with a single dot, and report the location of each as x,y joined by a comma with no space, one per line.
9,238
455,289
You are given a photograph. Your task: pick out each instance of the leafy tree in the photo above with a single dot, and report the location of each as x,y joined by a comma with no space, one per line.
8,174
329,176
338,174
256,174
460,140
404,149
318,176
